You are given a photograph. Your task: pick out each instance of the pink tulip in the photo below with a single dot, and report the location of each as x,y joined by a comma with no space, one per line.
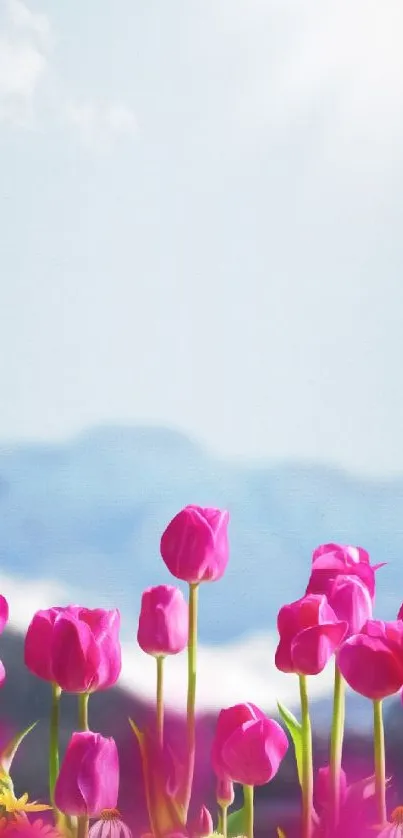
76,648
400,614
88,780
163,621
372,661
225,792
309,634
323,787
202,825
247,747
331,560
194,545
351,601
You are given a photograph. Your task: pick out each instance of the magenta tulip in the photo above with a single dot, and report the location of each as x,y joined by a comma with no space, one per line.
323,786
351,601
194,545
163,621
88,781
76,648
202,824
247,747
372,661
309,634
332,560
225,794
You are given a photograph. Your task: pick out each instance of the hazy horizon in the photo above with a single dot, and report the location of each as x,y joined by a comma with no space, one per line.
201,224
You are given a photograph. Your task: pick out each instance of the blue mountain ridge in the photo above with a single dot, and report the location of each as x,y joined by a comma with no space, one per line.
89,513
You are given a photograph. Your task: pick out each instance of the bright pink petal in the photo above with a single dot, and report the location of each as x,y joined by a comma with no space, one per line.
370,667
313,647
75,655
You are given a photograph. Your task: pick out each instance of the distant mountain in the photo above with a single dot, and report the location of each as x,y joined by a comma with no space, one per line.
90,512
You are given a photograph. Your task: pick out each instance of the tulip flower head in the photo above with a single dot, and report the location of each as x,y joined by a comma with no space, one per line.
309,634
372,660
195,546
163,622
76,648
202,825
248,747
88,781
332,560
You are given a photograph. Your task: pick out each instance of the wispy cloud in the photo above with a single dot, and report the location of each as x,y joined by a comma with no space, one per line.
99,125
24,43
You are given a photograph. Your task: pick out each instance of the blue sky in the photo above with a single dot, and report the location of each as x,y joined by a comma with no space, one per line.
200,208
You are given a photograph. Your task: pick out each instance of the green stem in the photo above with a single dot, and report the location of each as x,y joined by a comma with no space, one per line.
307,761
379,756
336,746
83,699
160,699
248,809
191,696
54,743
224,821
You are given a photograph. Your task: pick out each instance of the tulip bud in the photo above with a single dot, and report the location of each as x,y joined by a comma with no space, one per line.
202,825
194,545
163,621
225,792
323,785
88,781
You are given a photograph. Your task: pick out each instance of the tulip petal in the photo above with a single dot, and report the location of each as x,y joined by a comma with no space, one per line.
312,648
75,654
370,667
254,751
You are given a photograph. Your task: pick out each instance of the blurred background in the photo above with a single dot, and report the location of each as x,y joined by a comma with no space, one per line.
201,302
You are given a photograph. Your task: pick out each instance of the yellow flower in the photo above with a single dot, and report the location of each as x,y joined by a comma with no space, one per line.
13,805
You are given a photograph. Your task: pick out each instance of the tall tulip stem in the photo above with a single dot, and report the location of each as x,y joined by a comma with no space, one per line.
336,745
160,699
191,696
83,699
379,757
248,809
54,741
307,762
224,821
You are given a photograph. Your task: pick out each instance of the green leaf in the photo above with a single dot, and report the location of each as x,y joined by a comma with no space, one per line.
236,823
8,753
294,728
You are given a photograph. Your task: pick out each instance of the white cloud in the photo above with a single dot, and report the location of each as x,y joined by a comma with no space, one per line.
36,23
24,42
99,125
236,672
